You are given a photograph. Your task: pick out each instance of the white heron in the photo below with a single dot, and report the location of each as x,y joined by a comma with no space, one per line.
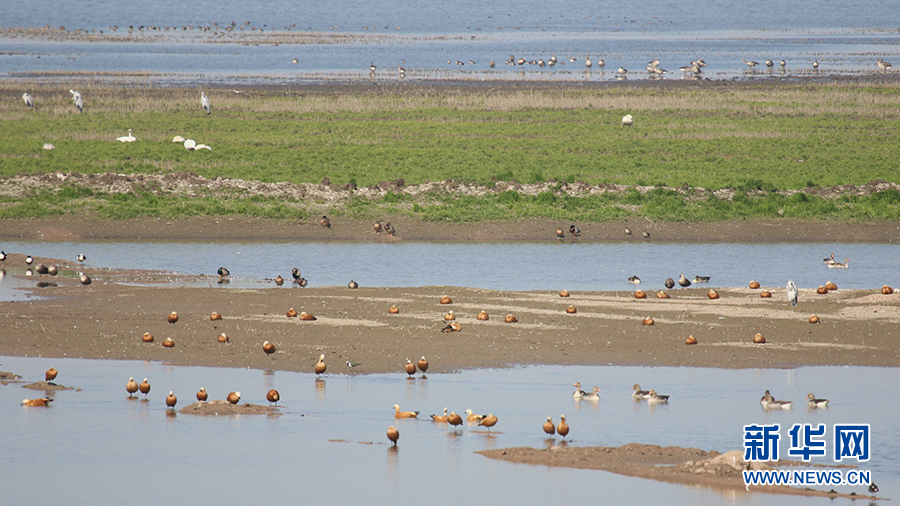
29,100
127,138
204,102
792,292
78,100
627,120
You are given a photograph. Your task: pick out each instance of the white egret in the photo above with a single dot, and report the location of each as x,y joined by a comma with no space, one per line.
204,102
792,292
29,100
127,138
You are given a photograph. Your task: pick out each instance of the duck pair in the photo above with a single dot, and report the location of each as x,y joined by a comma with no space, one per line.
579,394
649,395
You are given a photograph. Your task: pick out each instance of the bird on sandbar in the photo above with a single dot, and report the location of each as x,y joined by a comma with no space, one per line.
223,273
390,230
50,375
575,231
202,395
422,365
268,348
325,222
670,283
377,227
404,414
273,396
792,293
683,281
233,397
560,234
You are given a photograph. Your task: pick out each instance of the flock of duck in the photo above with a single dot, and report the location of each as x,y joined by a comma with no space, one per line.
51,270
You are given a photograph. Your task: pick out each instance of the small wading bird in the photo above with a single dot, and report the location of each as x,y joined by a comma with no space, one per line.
204,103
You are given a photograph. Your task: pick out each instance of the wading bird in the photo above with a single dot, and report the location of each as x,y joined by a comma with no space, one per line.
204,103
792,292
29,100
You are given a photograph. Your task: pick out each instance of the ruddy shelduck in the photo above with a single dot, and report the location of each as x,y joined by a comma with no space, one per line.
320,365
223,338
690,340
488,421
147,337
268,348
44,401
291,313
233,397
483,316
472,417
131,386
549,427
563,293
50,375
173,317
454,419
169,343
563,428
422,364
404,414
202,395
754,284
440,418
393,434
449,316
215,316
410,368
510,319
307,316
144,387
394,310
446,300
273,396
171,400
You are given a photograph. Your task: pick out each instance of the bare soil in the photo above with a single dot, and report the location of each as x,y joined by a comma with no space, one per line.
225,408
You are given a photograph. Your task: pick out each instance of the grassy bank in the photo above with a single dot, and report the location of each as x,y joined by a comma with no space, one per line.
756,140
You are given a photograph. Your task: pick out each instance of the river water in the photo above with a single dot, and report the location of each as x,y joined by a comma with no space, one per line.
447,41
96,447
590,266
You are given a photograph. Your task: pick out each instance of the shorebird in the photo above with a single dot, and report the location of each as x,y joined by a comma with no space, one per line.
372,67
81,258
171,400
549,427
29,100
783,64
320,365
402,70
127,138
638,393
488,421
655,398
204,103
50,375
131,387
29,260
324,222
816,403
769,63
683,281
622,71
578,393
202,395
144,387
393,434
563,427
404,414
78,100
3,256
883,65
873,488
815,65
273,396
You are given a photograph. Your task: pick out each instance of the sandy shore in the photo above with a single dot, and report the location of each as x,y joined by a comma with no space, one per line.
108,318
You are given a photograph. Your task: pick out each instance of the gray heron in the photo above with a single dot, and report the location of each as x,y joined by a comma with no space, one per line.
792,292
204,102
29,100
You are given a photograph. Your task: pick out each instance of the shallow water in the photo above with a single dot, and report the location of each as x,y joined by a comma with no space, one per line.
137,454
496,266
429,38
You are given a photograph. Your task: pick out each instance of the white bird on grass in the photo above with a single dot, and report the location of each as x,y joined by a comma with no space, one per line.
127,138
190,144
204,102
627,120
29,100
179,139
